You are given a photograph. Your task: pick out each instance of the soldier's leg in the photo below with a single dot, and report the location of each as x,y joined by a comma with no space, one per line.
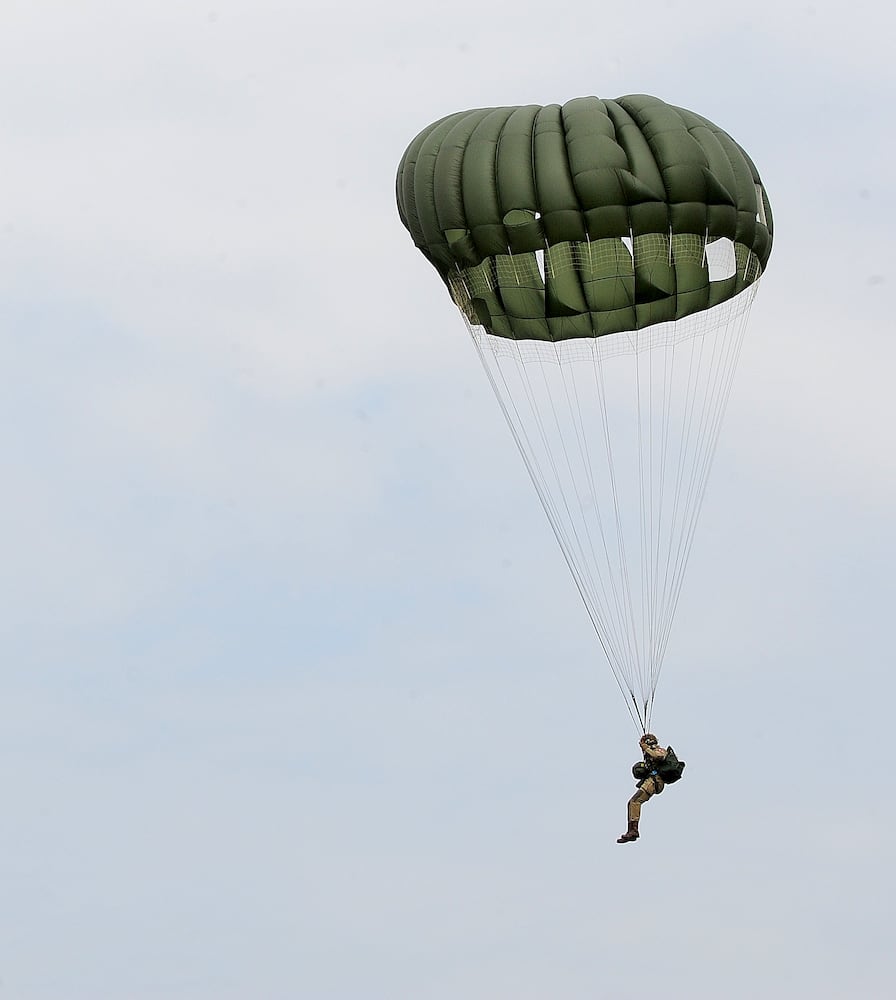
645,791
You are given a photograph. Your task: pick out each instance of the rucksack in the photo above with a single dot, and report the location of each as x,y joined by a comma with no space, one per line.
670,767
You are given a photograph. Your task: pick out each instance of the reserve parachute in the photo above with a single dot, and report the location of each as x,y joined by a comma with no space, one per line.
604,256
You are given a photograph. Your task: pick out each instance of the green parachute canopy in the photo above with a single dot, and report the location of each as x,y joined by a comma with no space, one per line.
622,197
604,255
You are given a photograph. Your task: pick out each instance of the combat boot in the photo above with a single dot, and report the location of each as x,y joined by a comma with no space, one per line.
630,834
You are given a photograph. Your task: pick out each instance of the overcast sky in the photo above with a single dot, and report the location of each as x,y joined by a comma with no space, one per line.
298,699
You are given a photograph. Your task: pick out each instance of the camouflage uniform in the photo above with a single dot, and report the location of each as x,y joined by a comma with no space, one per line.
652,785
648,786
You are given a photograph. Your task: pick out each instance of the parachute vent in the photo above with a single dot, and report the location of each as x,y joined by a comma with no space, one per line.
721,259
760,206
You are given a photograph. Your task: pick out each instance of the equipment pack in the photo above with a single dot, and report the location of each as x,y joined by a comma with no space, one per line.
669,769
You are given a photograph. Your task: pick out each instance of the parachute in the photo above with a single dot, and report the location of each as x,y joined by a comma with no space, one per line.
604,256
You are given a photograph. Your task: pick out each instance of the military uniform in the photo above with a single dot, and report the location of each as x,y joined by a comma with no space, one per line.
652,785
648,786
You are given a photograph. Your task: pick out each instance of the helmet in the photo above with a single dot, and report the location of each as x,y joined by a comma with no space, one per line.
649,739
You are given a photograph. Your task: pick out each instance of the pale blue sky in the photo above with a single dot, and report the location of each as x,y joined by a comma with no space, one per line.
298,701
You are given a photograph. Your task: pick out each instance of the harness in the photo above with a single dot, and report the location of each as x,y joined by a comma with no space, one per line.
653,774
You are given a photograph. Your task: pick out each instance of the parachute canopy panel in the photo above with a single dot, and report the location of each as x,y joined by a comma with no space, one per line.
591,218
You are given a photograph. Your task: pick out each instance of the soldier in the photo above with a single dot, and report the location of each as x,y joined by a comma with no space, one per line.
649,783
